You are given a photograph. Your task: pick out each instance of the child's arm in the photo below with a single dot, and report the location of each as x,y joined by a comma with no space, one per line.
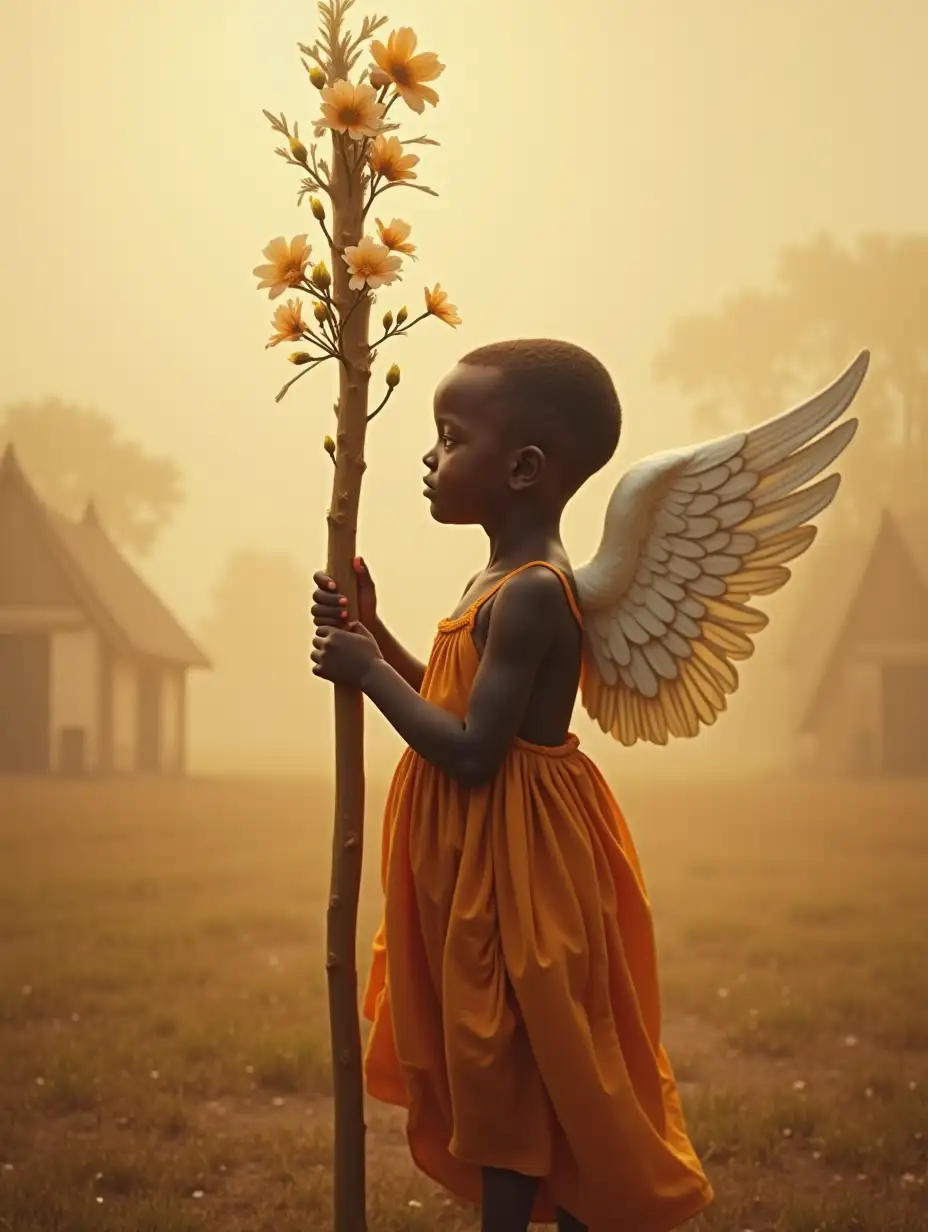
406,666
526,615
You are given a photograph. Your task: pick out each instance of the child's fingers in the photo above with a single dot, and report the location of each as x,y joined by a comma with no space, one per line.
323,581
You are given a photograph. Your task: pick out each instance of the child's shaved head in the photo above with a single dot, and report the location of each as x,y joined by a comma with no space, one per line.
563,397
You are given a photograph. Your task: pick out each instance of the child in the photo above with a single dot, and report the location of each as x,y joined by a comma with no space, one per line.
513,992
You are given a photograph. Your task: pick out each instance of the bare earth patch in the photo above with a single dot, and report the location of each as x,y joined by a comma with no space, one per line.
163,1024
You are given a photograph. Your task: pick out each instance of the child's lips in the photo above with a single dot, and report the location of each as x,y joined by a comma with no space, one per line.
428,490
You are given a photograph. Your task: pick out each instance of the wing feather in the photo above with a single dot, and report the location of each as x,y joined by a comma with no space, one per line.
691,537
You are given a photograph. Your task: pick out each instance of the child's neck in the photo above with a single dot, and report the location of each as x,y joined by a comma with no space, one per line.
524,535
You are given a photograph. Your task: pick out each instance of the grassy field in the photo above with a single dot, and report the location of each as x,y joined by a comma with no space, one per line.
163,1026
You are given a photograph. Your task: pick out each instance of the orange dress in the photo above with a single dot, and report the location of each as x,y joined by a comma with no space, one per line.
513,991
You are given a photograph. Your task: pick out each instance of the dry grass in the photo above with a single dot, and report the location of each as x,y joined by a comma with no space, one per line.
163,1018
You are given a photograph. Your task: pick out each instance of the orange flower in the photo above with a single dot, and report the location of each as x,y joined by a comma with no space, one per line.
398,62
351,109
395,236
387,159
371,264
287,265
436,303
288,322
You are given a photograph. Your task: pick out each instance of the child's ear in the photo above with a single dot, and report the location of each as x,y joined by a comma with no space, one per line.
527,467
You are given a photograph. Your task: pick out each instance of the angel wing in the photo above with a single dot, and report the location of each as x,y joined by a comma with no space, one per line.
690,536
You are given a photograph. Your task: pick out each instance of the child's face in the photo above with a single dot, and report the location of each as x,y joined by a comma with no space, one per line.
470,464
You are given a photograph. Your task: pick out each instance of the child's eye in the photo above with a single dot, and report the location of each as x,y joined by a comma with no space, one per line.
447,441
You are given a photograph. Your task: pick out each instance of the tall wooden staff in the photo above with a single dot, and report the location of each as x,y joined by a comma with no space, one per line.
366,161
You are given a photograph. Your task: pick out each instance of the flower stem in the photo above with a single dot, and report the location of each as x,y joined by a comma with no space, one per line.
377,409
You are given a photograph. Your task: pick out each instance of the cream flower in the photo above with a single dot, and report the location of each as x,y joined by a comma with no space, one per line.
395,236
351,109
288,323
436,303
407,71
371,264
287,265
388,159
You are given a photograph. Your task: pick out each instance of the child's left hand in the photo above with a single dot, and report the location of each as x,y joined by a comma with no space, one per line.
344,655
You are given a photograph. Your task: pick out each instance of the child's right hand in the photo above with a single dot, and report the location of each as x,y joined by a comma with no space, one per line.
330,609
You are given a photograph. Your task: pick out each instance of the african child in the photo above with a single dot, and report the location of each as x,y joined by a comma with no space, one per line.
513,993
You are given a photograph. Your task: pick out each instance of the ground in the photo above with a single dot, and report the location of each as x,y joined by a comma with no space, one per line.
163,1021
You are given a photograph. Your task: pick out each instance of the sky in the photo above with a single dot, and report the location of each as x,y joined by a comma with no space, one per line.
605,167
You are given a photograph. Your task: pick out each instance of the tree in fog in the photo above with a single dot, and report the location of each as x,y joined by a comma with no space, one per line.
762,350
73,455
259,701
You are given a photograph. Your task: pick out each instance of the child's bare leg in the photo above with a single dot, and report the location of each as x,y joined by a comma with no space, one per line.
567,1223
508,1198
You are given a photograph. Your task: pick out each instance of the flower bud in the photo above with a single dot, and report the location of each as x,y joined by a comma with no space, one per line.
300,357
317,208
393,376
387,320
317,77
321,277
298,150
329,446
401,315
378,78
321,311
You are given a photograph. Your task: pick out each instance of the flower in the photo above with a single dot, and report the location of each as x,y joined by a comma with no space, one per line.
321,277
318,209
287,265
370,263
351,109
321,311
317,77
395,235
406,70
329,446
300,357
393,376
387,159
288,322
436,302
298,150
402,315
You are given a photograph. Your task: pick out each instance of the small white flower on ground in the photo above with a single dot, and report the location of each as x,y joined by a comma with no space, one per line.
913,1085
99,1199
198,1193
850,1041
722,992
816,1154
787,1133
7,1167
908,1178
868,1092
278,1101
155,1074
861,1176
40,1082
415,1204
249,1069
799,1085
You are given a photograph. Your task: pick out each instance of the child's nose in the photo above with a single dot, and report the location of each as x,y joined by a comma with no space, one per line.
430,460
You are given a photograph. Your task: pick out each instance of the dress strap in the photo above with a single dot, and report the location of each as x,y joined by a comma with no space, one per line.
532,564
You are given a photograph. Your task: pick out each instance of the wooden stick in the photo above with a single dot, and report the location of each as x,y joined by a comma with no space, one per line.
348,831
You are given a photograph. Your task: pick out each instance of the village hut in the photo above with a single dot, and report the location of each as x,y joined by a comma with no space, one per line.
93,666
860,653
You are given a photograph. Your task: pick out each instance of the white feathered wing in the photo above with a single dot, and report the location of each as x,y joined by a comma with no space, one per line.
690,536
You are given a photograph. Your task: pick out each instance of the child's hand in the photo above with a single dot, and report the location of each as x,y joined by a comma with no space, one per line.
344,655
330,609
